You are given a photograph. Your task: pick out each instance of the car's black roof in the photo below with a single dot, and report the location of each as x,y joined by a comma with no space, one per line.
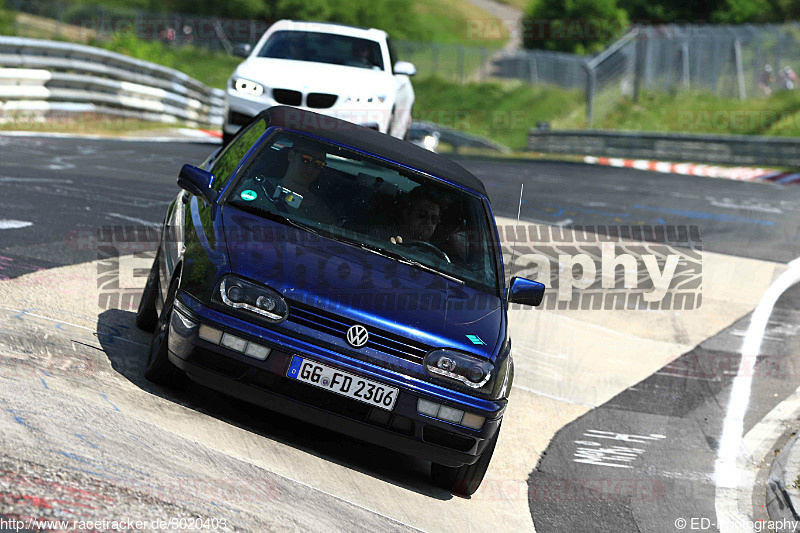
372,141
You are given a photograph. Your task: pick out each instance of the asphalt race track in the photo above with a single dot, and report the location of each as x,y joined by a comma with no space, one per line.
615,421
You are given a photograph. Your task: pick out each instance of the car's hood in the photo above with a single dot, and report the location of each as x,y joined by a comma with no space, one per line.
362,286
306,76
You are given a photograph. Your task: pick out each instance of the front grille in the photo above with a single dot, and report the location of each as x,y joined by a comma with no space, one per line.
320,100
287,97
382,341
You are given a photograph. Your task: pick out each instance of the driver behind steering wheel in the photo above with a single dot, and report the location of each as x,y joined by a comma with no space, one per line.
419,219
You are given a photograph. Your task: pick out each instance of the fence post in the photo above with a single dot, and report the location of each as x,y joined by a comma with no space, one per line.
533,69
756,62
737,57
435,59
685,75
639,64
591,82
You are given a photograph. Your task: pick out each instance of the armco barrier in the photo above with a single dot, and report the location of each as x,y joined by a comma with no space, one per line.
720,149
40,77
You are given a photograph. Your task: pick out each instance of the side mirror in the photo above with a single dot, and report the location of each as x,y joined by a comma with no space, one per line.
526,292
404,67
242,49
198,182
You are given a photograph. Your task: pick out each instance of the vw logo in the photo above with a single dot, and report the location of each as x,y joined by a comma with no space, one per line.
357,336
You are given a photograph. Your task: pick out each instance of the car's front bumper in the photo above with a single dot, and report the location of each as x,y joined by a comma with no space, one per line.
243,108
264,383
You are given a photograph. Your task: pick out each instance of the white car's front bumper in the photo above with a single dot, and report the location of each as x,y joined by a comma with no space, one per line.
242,108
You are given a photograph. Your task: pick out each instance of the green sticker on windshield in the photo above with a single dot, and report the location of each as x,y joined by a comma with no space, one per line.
248,195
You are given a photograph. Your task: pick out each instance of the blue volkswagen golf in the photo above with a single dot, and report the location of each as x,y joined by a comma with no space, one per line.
343,277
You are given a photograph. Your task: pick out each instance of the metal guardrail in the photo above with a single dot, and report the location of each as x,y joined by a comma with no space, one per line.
724,149
45,77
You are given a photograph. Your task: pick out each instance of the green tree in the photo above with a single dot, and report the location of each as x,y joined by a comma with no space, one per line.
580,26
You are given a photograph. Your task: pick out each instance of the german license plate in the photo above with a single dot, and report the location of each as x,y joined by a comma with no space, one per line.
344,383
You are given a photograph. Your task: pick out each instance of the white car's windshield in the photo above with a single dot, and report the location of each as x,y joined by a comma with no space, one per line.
364,201
323,48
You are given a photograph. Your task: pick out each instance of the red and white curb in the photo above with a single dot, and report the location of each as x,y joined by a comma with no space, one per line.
693,169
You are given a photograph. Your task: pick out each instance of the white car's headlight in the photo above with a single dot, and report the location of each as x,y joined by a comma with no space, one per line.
248,87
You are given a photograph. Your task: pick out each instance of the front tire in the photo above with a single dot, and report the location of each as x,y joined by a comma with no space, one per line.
146,314
159,369
464,480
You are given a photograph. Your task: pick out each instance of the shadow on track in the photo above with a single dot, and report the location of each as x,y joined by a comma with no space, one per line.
122,342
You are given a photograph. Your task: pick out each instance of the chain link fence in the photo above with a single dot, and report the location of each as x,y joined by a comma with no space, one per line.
744,61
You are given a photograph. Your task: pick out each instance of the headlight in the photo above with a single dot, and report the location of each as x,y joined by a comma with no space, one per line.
252,298
460,367
430,142
248,87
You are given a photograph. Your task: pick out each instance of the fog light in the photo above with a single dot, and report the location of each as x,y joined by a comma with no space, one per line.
473,421
451,415
424,407
446,364
207,333
257,351
233,342
266,303
476,374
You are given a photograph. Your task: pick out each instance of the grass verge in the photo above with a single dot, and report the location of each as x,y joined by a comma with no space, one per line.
87,124
502,111
690,112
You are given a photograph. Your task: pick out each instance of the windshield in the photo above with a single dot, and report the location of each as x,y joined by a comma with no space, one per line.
366,202
323,48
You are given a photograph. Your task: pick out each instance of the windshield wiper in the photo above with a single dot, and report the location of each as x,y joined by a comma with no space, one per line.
272,215
397,257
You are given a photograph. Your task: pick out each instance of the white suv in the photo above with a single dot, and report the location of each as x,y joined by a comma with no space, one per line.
335,70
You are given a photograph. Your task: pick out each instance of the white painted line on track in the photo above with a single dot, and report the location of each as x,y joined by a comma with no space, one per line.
23,312
737,457
34,180
14,224
133,219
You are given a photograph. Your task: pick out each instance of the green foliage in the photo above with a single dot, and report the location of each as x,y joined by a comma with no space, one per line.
579,26
501,111
6,20
701,112
211,68
444,20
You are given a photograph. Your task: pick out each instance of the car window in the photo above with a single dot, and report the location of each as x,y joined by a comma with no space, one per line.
320,47
229,158
347,195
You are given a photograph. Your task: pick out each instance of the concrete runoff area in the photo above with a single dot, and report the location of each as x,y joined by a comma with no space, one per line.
89,362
